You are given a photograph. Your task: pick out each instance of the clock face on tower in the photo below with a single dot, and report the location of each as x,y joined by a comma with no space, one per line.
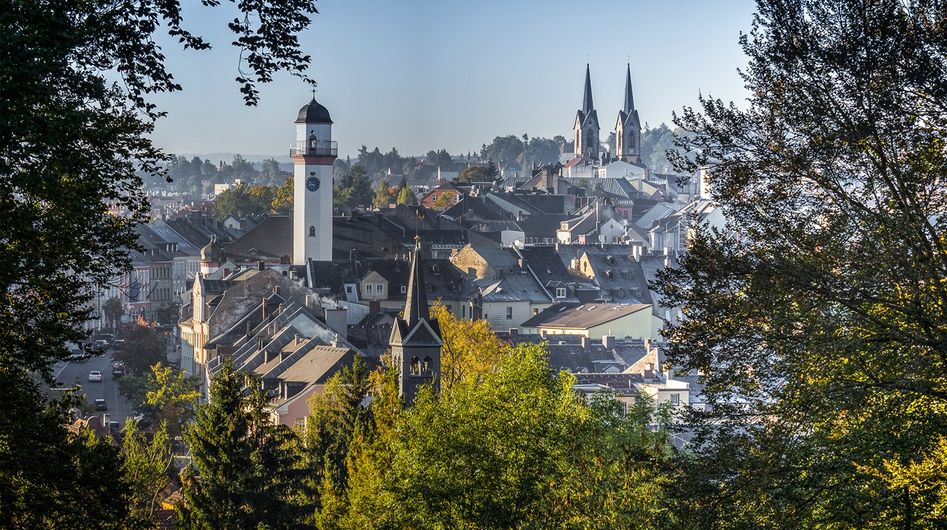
312,183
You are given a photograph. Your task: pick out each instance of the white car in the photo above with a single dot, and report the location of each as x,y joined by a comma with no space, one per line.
95,376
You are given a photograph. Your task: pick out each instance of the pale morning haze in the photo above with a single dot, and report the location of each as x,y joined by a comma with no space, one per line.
425,75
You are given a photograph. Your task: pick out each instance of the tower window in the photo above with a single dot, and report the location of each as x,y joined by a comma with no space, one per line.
312,231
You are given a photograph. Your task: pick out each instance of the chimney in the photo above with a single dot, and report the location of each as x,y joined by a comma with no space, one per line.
263,309
276,289
260,265
608,341
585,342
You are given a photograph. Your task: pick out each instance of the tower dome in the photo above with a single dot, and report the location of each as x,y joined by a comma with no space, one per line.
212,251
313,112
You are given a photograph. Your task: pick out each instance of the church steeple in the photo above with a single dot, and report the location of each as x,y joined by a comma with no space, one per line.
628,127
416,337
629,96
587,105
415,307
586,129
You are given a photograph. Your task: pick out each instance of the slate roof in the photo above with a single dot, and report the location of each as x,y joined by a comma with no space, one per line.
272,238
513,287
581,316
313,112
316,366
566,352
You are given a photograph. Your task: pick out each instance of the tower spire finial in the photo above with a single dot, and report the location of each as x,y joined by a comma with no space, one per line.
587,105
313,94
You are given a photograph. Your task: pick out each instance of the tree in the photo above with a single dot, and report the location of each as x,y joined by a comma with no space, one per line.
172,394
145,465
444,201
817,318
246,471
382,197
242,201
476,457
283,197
358,186
75,125
471,349
478,173
504,149
144,347
655,144
405,195
335,417
113,310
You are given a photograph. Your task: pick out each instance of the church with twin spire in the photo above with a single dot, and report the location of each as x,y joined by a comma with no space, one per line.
586,130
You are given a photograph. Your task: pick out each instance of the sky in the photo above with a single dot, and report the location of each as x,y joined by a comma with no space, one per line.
429,74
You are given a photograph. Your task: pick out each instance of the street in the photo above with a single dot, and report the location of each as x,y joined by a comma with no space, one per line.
70,372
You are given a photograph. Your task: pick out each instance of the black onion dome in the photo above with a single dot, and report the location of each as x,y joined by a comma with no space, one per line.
313,112
212,251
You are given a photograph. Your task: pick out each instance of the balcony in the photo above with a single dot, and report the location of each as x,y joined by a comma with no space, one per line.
314,148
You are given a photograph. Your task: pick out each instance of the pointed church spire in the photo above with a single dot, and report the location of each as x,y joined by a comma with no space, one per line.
629,96
587,105
415,307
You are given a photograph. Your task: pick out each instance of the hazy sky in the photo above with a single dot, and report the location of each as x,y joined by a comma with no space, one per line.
426,74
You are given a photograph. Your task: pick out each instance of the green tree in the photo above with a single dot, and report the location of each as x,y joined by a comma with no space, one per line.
478,173
75,125
405,195
471,348
335,417
518,448
382,194
655,143
817,318
144,347
358,186
247,472
113,311
172,395
145,465
444,201
242,201
504,149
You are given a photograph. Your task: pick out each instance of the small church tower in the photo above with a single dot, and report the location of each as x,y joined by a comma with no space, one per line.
416,338
628,127
313,154
586,129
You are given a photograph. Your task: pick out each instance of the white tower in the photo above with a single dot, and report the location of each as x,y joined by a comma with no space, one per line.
313,154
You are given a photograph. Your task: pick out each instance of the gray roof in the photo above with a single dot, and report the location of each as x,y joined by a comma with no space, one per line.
313,112
581,316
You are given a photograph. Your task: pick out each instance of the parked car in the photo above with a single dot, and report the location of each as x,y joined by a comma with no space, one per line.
115,426
118,344
100,344
100,404
95,376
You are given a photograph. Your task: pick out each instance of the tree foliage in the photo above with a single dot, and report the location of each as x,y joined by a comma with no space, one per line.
471,349
144,347
247,472
75,124
172,395
382,196
817,317
145,465
517,449
242,200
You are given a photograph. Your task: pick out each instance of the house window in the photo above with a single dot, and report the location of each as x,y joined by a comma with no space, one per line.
675,399
404,289
368,288
312,231
560,292
509,313
380,288
535,311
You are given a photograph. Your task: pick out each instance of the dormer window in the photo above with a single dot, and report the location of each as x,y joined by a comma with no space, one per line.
404,289
560,292
312,231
